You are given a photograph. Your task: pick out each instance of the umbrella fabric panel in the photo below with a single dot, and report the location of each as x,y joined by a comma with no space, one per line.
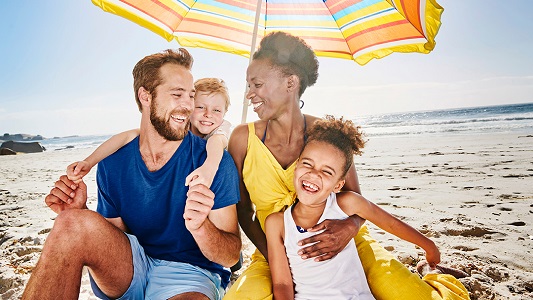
351,29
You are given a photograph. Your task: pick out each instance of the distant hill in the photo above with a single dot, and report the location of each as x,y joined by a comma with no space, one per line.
21,137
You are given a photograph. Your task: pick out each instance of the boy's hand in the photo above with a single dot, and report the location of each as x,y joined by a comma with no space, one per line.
202,175
76,170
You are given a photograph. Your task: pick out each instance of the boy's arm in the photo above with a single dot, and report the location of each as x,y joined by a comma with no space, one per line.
352,203
206,173
277,258
77,170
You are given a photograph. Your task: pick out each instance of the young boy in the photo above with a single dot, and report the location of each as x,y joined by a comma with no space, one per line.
211,103
318,178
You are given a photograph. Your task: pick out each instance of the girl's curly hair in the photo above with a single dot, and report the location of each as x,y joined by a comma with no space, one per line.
341,134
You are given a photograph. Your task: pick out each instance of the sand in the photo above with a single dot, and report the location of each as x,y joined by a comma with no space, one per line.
472,194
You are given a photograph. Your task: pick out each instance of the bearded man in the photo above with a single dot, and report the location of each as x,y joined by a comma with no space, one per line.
151,236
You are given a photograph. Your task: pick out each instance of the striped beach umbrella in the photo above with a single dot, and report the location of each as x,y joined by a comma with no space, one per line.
358,30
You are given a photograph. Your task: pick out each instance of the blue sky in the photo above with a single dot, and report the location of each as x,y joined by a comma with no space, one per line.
65,68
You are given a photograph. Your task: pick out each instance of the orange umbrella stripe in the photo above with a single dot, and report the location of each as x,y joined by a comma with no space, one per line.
412,13
158,11
359,41
216,30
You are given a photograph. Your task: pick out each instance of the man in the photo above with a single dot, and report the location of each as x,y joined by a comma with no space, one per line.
178,240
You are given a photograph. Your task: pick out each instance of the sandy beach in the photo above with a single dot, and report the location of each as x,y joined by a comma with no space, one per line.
472,194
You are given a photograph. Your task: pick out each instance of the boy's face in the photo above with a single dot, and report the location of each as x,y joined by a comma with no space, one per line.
208,113
318,173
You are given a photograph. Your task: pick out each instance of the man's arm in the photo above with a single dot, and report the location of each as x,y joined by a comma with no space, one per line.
68,195
215,231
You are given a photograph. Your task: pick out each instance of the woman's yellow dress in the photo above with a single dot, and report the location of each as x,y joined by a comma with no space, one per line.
271,190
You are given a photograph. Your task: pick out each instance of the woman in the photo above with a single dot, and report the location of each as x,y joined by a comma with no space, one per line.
265,153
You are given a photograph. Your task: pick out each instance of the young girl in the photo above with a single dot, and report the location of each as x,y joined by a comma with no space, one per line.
318,179
211,103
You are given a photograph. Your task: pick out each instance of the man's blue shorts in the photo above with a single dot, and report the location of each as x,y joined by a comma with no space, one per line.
160,279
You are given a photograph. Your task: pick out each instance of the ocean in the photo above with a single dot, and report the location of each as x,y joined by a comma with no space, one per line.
514,118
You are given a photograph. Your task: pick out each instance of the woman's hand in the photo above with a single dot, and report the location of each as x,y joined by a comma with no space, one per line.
336,235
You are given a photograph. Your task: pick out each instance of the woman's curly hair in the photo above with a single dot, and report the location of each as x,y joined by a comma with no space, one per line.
291,55
341,134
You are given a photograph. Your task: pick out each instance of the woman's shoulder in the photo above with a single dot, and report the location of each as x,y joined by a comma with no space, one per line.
309,120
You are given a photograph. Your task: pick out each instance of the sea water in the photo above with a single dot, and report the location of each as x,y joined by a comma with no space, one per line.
513,118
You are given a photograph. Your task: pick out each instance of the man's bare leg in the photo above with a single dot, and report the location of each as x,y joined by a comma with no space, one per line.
81,237
190,296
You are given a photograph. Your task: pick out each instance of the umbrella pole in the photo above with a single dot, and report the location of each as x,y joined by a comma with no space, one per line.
252,51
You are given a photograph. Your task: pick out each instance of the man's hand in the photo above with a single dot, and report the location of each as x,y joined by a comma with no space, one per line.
76,170
336,235
67,195
200,200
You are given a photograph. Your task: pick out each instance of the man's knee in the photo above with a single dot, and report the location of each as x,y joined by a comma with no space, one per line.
76,224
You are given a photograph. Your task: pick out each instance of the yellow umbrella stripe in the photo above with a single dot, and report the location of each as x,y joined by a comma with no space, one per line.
135,17
376,11
369,24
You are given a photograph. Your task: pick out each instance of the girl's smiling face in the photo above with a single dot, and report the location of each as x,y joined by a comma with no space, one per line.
208,113
318,173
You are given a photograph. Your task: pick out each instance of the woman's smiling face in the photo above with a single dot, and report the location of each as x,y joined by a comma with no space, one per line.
267,89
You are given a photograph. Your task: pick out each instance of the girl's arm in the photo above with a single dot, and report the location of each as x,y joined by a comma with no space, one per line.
352,203
282,283
238,142
77,170
206,172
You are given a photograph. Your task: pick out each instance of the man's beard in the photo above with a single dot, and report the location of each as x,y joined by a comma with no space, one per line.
163,127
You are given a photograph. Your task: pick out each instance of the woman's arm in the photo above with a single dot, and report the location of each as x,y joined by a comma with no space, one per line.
237,146
353,203
77,170
282,283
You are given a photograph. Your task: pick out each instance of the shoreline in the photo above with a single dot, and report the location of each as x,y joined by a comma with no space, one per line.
471,194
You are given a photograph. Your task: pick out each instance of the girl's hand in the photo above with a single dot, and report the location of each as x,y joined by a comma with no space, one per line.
433,257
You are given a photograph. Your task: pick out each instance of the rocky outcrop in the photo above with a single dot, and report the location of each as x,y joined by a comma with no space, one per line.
24,147
7,151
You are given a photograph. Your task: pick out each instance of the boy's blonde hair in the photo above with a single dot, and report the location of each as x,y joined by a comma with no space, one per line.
213,86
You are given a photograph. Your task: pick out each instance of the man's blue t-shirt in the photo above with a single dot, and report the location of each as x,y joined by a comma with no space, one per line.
151,204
